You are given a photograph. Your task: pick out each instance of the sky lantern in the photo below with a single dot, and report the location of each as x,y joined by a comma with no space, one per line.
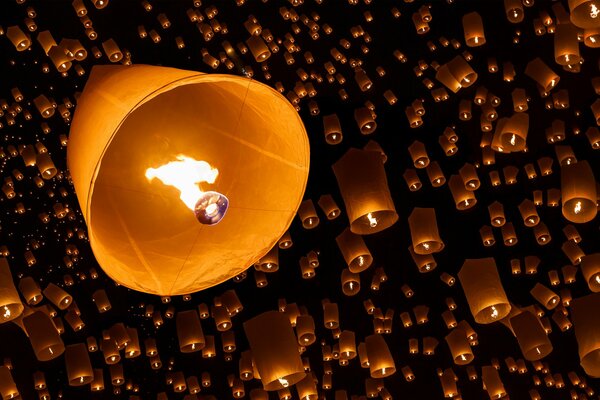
184,179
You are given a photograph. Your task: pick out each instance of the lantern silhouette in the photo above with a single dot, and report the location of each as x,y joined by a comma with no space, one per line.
578,189
363,185
587,331
381,363
459,346
43,336
590,268
10,303
79,367
483,289
531,336
230,137
492,382
424,231
473,28
275,350
8,387
189,331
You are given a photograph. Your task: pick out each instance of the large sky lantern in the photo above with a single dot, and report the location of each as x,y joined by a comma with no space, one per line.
185,179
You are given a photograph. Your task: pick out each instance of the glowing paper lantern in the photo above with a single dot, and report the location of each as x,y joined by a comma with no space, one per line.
43,336
473,27
10,303
532,337
234,137
578,190
483,289
363,184
424,231
275,350
590,268
587,331
381,362
585,13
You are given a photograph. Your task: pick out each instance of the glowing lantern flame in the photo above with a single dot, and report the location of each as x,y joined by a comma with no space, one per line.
594,11
495,313
185,174
284,382
6,312
577,208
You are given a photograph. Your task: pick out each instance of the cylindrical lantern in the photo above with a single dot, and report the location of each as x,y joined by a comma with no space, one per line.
584,13
275,350
381,362
364,119
459,346
57,296
473,28
573,252
8,387
590,268
189,331
424,231
566,45
332,129
355,251
308,214
305,330
329,206
545,296
363,184
483,289
542,74
79,367
418,153
44,338
10,303
350,282
531,336
463,198
492,382
587,331
214,129
578,189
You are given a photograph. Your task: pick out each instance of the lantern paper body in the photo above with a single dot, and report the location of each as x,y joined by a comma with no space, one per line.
578,190
587,331
130,119
424,231
532,338
381,362
363,184
275,350
590,268
44,338
10,303
483,290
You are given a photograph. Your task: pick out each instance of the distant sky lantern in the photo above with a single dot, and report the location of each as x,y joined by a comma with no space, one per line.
578,190
531,336
201,177
424,231
275,350
483,289
364,188
473,28
541,73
